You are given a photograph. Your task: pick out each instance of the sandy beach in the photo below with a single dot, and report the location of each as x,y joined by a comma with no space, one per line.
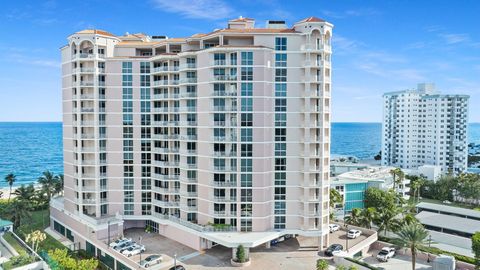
6,191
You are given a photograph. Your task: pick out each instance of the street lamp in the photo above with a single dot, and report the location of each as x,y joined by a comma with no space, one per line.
429,243
175,261
108,229
140,241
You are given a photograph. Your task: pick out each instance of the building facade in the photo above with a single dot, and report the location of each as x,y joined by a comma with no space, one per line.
204,139
423,127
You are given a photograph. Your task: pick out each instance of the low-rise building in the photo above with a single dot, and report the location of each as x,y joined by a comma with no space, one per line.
353,184
448,219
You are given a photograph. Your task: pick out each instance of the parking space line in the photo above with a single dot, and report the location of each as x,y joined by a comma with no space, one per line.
189,256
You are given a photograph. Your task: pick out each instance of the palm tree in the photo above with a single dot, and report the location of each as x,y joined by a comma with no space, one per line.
367,217
409,219
58,184
398,176
387,220
413,236
18,211
10,179
335,198
322,265
47,180
24,193
354,217
416,184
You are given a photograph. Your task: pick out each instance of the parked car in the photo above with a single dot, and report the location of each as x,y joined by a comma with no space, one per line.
385,254
133,250
151,260
119,241
333,227
178,267
333,249
123,246
352,234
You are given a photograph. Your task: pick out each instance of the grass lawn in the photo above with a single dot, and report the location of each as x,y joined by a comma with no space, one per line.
39,221
8,236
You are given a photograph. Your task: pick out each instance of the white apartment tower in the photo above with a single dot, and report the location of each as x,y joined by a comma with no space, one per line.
423,127
215,138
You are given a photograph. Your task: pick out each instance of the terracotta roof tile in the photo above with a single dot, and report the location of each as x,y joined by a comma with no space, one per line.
242,20
95,31
311,19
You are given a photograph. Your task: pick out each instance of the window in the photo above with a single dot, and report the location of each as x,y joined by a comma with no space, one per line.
280,90
280,60
247,74
280,75
247,58
247,89
126,67
246,135
281,43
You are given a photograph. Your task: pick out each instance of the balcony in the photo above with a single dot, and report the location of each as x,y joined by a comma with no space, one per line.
165,190
166,177
219,123
188,66
224,93
84,70
224,199
219,62
166,203
188,208
188,80
188,95
189,194
189,137
166,163
225,77
87,83
224,183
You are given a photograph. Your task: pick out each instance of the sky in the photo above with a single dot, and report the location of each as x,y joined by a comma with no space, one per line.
378,46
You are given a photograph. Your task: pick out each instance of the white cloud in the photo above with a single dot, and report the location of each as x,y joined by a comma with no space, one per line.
28,60
197,9
364,12
455,38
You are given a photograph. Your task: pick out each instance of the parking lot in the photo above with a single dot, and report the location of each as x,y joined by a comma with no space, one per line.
340,237
157,244
399,262
294,253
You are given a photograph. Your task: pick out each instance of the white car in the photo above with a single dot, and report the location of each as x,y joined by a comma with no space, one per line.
352,234
134,250
333,227
151,260
385,254
119,242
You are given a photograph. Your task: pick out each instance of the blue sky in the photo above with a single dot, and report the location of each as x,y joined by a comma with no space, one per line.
379,46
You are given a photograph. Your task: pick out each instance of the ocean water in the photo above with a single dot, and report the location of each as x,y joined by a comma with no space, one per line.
28,149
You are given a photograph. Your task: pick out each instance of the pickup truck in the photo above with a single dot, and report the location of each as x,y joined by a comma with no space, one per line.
385,254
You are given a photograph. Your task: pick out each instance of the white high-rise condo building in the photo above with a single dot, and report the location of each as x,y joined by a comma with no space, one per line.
424,127
215,138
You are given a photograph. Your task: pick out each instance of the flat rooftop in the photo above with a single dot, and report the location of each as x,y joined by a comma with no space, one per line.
449,209
449,222
370,173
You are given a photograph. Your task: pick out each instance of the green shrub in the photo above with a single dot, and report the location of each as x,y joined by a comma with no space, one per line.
364,264
18,261
322,265
241,254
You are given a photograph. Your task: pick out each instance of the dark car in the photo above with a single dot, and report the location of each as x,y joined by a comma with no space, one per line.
333,249
178,267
